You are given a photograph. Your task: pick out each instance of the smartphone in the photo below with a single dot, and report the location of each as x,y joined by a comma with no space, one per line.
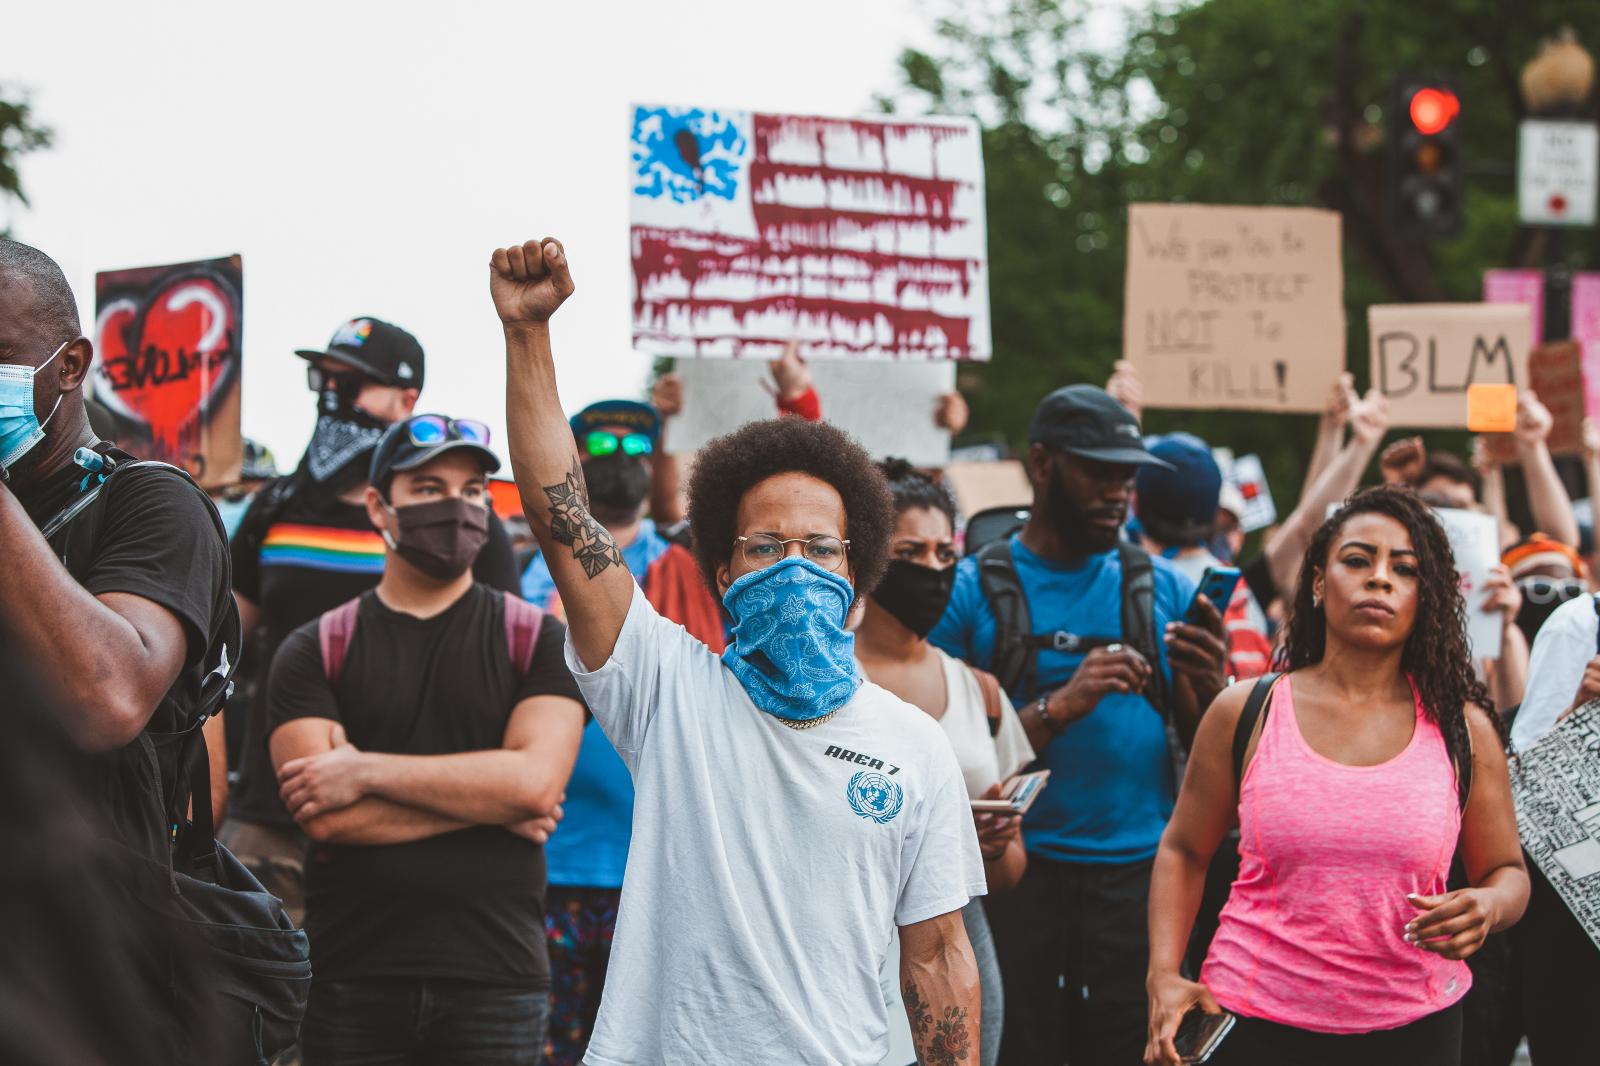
1200,1034
1019,798
1217,584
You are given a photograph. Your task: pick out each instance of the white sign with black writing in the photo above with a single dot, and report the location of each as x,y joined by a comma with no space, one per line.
1556,786
1558,172
1475,542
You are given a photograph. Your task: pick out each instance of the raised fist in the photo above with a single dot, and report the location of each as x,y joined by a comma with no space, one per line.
529,281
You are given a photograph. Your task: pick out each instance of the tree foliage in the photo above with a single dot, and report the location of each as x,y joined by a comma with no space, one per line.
19,133
1223,101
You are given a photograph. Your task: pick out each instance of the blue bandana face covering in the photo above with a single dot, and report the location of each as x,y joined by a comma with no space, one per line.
790,649
20,428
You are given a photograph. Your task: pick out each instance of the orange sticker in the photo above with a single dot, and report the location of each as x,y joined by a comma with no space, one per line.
1491,408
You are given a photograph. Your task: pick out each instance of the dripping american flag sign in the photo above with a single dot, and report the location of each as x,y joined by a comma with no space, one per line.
858,238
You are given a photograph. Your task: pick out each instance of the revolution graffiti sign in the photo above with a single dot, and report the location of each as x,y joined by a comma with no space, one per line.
167,363
858,238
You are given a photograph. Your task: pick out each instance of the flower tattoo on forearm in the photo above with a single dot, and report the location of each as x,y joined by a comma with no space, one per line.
572,524
941,1041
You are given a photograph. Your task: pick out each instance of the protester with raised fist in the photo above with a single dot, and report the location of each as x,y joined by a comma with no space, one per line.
788,815
1354,778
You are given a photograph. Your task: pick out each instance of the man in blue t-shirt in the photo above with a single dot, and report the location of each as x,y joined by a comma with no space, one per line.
1072,937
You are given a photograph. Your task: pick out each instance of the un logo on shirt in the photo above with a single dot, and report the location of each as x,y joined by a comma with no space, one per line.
874,796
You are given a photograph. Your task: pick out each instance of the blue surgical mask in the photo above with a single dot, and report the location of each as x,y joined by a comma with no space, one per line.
790,649
20,428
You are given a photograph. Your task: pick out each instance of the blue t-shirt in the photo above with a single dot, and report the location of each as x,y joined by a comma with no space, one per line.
589,849
1111,789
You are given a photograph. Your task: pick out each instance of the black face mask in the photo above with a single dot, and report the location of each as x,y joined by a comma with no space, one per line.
441,538
345,435
618,485
915,595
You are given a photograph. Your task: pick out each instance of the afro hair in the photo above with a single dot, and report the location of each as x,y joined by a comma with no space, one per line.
729,466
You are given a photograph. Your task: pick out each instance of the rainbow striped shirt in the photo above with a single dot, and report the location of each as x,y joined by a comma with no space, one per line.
346,551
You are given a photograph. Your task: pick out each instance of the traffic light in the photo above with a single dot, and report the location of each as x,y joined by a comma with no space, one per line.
1423,184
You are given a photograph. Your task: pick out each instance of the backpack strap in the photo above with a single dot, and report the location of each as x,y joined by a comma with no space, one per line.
1139,617
993,707
1255,706
335,630
523,620
1014,660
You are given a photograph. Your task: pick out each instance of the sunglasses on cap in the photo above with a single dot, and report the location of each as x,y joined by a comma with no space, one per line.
427,430
598,443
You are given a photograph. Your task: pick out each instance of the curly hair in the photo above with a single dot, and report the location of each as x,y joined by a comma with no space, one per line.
1436,654
911,488
729,466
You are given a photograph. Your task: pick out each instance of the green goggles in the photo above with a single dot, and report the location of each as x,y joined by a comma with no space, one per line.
598,443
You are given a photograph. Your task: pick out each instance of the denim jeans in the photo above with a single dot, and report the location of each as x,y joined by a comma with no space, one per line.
423,1022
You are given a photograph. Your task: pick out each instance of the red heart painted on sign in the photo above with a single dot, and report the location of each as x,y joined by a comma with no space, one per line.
168,353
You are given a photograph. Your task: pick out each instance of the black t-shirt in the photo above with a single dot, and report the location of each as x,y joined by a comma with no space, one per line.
150,534
468,904
314,555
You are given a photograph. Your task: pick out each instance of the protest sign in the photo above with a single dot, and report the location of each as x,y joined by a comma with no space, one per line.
1234,307
859,238
1475,542
1556,788
1555,373
1586,331
888,408
980,486
167,363
505,498
1426,356
1250,479
1518,287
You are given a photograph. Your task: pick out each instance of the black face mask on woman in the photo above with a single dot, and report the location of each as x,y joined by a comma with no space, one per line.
915,595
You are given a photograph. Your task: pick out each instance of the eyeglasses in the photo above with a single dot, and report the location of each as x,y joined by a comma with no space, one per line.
425,430
598,443
761,550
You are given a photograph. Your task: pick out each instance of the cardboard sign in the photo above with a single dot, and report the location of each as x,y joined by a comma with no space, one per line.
980,486
167,363
1250,479
888,407
1491,408
1586,331
1555,785
1234,307
1555,373
1518,287
1475,542
860,238
1426,356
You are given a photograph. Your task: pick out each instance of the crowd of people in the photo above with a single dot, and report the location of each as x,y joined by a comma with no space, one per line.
717,768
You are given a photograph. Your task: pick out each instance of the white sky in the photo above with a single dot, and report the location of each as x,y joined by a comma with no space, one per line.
365,157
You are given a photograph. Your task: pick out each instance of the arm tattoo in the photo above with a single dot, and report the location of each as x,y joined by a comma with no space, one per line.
939,1041
572,524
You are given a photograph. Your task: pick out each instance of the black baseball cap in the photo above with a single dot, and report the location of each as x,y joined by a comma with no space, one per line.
384,352
1084,420
398,450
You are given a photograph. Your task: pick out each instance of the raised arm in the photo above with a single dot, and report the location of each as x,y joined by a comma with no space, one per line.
528,282
1547,496
939,983
1330,426
667,504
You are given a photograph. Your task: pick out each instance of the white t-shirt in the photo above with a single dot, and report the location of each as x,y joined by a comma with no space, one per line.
1561,650
984,759
769,866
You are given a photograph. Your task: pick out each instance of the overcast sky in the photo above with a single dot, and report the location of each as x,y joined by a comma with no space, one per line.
366,157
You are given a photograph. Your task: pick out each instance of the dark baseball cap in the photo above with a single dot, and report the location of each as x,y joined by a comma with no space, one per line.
1181,497
398,449
636,416
1084,420
384,352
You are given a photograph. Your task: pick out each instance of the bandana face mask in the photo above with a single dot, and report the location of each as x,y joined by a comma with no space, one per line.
20,428
790,649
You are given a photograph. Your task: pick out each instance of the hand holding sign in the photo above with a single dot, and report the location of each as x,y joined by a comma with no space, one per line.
1533,421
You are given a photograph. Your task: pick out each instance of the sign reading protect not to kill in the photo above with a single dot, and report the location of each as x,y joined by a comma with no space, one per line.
1425,357
1234,307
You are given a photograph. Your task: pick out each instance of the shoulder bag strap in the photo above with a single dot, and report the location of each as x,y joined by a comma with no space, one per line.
1255,706
1139,617
993,708
1014,659
523,620
335,629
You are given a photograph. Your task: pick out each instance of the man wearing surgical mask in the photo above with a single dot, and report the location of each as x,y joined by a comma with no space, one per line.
789,815
119,613
306,545
422,735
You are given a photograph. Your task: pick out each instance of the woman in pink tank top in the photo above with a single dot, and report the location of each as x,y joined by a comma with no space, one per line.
1340,942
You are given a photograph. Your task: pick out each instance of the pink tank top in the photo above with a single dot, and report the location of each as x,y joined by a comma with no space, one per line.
1313,932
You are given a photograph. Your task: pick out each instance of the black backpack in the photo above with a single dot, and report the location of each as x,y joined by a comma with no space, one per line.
258,963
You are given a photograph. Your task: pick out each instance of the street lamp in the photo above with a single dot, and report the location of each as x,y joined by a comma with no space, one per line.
1557,82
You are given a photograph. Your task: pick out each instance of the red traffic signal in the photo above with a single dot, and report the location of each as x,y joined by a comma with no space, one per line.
1432,110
